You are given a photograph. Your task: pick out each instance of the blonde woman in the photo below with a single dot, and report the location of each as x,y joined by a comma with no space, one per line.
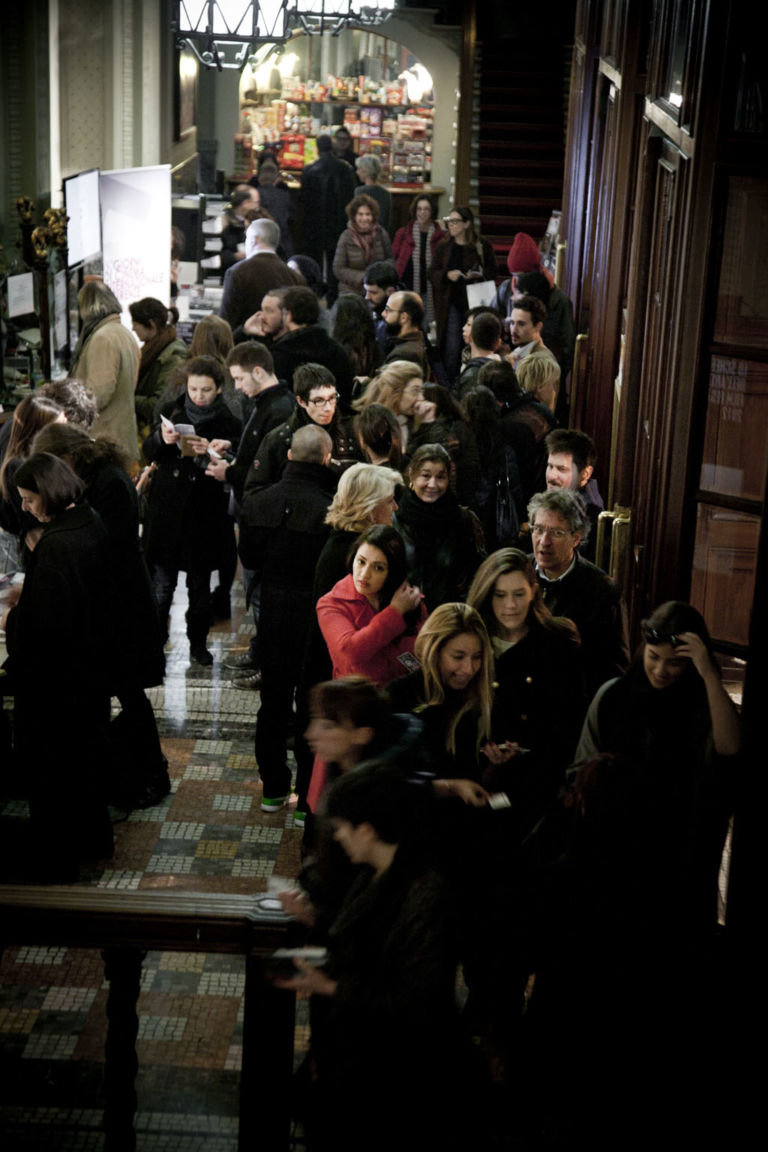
399,386
452,692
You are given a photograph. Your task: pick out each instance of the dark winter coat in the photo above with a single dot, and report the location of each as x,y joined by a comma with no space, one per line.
270,409
448,255
593,601
443,544
327,186
272,456
185,508
60,635
110,492
311,344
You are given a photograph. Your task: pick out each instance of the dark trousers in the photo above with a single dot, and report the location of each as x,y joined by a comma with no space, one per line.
199,593
283,624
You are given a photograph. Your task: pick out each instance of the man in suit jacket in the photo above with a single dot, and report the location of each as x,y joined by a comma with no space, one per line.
247,282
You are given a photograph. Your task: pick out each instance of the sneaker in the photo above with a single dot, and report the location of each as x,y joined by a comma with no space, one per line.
251,680
273,803
240,661
299,819
201,655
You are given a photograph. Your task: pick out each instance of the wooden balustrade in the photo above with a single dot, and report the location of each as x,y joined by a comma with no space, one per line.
126,925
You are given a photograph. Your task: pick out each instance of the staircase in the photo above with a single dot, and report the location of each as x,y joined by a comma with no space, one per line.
521,145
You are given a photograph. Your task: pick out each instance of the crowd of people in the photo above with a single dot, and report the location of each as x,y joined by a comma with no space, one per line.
415,529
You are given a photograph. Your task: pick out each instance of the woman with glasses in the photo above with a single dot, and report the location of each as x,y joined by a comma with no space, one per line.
399,386
461,259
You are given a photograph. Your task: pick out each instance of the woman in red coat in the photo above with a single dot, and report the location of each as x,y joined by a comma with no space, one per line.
371,617
412,250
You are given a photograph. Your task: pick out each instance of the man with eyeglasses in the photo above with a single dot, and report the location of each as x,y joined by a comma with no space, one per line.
572,587
404,315
316,403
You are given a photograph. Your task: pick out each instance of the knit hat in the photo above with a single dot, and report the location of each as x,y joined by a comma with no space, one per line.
524,255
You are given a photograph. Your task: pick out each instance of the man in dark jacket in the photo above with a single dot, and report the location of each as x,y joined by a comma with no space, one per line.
572,587
283,531
246,282
306,341
327,186
251,367
315,390
404,316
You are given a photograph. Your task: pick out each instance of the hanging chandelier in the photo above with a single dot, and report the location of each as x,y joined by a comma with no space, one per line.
224,33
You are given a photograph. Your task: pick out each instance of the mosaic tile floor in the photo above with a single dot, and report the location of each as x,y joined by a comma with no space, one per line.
209,835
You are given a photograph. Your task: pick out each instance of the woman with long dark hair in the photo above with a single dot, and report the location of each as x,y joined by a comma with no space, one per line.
372,617
60,664
672,732
30,415
413,248
161,352
141,769
353,329
539,699
461,259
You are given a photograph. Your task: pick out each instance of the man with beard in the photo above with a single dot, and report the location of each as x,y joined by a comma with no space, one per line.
404,316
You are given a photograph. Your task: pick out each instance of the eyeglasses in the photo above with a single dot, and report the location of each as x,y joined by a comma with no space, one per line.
323,401
392,311
555,533
453,220
661,637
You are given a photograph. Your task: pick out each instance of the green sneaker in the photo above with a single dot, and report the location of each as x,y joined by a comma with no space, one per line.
273,803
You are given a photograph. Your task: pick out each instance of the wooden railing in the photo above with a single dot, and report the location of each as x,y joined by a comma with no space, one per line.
124,926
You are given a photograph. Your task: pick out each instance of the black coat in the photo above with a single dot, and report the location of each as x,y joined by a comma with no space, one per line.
186,508
282,532
270,408
110,491
283,527
443,545
327,186
593,601
272,456
539,703
311,344
60,634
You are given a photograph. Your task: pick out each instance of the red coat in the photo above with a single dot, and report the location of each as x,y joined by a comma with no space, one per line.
361,641
403,245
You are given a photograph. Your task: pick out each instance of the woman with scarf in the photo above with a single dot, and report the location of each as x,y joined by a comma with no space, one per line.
161,352
443,540
362,243
462,258
186,508
413,248
106,360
